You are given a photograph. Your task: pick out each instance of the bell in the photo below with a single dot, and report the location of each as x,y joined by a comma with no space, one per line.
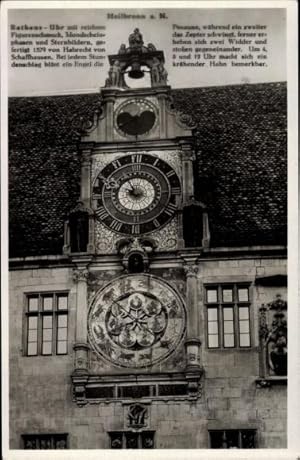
135,71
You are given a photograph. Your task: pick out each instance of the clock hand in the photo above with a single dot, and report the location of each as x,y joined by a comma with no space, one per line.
109,183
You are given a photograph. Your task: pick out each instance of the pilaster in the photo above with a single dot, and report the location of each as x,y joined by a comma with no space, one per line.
192,342
188,157
81,347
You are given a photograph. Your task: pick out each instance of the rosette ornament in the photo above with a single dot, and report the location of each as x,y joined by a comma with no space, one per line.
136,321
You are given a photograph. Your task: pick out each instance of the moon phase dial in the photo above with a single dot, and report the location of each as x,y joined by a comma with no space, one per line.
136,194
135,117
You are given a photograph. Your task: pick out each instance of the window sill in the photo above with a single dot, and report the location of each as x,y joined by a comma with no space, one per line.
266,382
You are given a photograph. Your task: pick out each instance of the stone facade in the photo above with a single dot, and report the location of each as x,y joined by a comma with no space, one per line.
41,399
148,296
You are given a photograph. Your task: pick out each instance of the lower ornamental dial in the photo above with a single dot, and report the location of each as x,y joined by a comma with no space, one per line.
136,321
136,194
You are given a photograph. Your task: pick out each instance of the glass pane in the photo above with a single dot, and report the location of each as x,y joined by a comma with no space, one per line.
47,303
147,440
212,295
216,439
32,349
248,439
116,441
62,334
47,322
244,327
244,340
228,314
227,295
62,302
243,295
212,314
243,312
62,320
232,438
228,340
32,335
131,440
228,327
47,348
32,322
47,335
33,304
213,341
61,348
213,327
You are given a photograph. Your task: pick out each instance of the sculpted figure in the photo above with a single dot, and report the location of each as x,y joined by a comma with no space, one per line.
115,74
155,72
163,74
122,49
136,39
151,47
159,74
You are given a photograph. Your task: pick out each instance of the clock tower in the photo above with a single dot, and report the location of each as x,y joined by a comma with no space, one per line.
134,239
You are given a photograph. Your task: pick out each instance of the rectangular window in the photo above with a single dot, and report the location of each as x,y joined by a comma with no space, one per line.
47,324
45,441
228,316
131,440
232,439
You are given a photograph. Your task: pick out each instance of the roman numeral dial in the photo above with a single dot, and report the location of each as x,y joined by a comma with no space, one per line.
136,194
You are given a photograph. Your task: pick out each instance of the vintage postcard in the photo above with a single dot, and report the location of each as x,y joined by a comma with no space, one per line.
149,265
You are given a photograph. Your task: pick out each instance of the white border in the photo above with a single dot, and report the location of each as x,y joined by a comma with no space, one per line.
294,317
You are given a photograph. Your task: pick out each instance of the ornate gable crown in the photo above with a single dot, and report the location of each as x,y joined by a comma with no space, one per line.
133,59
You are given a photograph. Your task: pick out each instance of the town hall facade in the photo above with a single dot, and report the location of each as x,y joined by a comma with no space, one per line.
148,285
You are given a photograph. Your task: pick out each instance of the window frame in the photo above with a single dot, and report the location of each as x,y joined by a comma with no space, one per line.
125,433
220,304
40,313
51,436
239,432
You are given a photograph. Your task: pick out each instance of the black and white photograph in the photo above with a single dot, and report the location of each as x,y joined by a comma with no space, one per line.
147,230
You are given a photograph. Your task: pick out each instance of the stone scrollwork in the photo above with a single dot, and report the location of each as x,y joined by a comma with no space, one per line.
191,270
137,415
167,238
184,120
80,275
105,240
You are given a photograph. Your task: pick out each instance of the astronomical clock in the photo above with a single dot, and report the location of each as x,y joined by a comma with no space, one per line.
128,236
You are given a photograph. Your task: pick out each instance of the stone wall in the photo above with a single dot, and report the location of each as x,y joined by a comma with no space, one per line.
41,392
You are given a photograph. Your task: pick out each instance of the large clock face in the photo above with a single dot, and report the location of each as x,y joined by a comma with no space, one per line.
135,117
136,194
136,321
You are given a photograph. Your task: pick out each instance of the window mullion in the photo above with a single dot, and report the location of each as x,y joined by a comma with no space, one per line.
40,327
54,325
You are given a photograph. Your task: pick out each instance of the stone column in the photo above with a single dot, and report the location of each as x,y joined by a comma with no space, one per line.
188,157
163,115
192,342
109,100
85,183
81,347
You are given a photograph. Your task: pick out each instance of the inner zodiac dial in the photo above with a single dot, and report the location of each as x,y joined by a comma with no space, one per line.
136,194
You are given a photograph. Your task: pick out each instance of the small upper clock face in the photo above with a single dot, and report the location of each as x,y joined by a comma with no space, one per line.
135,117
136,194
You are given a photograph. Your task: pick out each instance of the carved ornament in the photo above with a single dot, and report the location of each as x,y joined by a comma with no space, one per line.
80,275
